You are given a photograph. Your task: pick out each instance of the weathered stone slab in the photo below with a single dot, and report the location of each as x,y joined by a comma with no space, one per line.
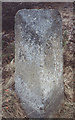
39,61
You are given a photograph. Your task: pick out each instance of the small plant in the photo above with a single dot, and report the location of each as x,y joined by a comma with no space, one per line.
65,38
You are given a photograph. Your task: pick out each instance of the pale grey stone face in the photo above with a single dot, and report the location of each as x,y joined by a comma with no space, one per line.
39,61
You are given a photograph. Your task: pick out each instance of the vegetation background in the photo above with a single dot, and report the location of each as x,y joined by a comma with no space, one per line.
11,107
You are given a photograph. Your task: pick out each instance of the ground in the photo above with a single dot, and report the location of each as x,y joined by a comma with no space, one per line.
10,102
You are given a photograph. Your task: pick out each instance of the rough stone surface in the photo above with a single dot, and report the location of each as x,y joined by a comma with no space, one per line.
39,61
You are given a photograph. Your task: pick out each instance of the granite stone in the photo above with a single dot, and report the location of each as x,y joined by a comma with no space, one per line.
39,61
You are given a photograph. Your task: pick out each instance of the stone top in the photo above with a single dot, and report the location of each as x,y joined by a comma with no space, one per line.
40,20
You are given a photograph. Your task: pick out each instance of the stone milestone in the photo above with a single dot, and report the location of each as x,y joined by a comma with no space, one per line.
39,61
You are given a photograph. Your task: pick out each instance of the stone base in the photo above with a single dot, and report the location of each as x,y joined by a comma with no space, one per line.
38,109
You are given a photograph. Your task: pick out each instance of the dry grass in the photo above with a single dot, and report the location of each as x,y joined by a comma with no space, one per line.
11,104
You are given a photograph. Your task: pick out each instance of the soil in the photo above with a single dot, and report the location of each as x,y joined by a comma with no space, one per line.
10,102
